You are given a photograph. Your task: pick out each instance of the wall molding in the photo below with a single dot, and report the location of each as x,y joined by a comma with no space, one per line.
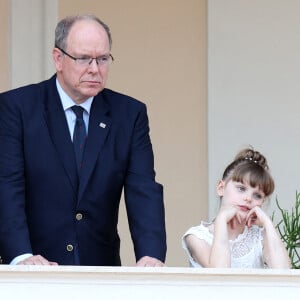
79,282
32,25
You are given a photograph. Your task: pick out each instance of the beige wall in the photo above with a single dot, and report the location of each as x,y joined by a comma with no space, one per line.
254,89
160,58
4,42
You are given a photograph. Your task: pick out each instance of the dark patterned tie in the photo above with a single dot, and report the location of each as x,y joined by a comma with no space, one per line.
79,136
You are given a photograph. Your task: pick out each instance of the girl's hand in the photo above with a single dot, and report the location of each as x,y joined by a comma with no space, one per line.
232,215
256,216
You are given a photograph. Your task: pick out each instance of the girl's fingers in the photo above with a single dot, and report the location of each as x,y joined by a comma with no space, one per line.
251,219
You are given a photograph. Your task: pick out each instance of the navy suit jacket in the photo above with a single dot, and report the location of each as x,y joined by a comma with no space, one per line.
46,209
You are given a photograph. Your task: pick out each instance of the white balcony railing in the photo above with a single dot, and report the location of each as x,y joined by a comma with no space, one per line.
78,282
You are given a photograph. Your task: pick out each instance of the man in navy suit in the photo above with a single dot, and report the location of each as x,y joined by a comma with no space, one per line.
52,212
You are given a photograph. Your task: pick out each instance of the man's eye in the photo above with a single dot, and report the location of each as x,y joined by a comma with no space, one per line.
103,59
84,59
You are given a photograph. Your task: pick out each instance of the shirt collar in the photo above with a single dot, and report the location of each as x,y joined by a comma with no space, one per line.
67,101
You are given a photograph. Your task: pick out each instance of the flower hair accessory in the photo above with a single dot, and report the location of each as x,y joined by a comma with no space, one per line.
250,158
264,166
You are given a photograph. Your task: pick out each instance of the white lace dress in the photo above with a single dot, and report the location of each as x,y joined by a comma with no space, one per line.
246,249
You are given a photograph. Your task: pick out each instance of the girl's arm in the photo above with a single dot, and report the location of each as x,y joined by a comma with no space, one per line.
199,249
275,253
229,219
218,255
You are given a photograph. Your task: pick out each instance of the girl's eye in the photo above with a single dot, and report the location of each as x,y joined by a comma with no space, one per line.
241,188
258,196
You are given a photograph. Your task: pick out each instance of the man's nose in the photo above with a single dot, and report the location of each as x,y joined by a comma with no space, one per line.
94,65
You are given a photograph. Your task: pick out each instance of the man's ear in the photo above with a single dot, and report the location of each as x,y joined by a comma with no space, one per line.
57,59
220,188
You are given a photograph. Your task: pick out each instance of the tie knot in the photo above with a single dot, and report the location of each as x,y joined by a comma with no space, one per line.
78,110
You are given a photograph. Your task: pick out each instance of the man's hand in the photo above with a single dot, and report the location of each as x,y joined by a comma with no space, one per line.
147,261
37,260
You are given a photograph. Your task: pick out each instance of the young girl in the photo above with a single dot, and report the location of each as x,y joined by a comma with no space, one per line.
241,235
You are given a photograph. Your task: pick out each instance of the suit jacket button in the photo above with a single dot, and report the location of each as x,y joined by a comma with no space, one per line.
78,216
70,248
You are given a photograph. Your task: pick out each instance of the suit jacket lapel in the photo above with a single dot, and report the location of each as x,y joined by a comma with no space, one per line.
99,125
60,134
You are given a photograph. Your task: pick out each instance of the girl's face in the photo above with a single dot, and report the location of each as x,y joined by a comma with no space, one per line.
240,194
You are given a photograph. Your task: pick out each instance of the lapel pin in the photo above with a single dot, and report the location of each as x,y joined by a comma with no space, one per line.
102,125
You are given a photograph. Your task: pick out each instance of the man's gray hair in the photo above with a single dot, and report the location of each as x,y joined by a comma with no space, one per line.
63,28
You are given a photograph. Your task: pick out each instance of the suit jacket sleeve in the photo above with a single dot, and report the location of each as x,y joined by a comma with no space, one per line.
144,196
14,236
